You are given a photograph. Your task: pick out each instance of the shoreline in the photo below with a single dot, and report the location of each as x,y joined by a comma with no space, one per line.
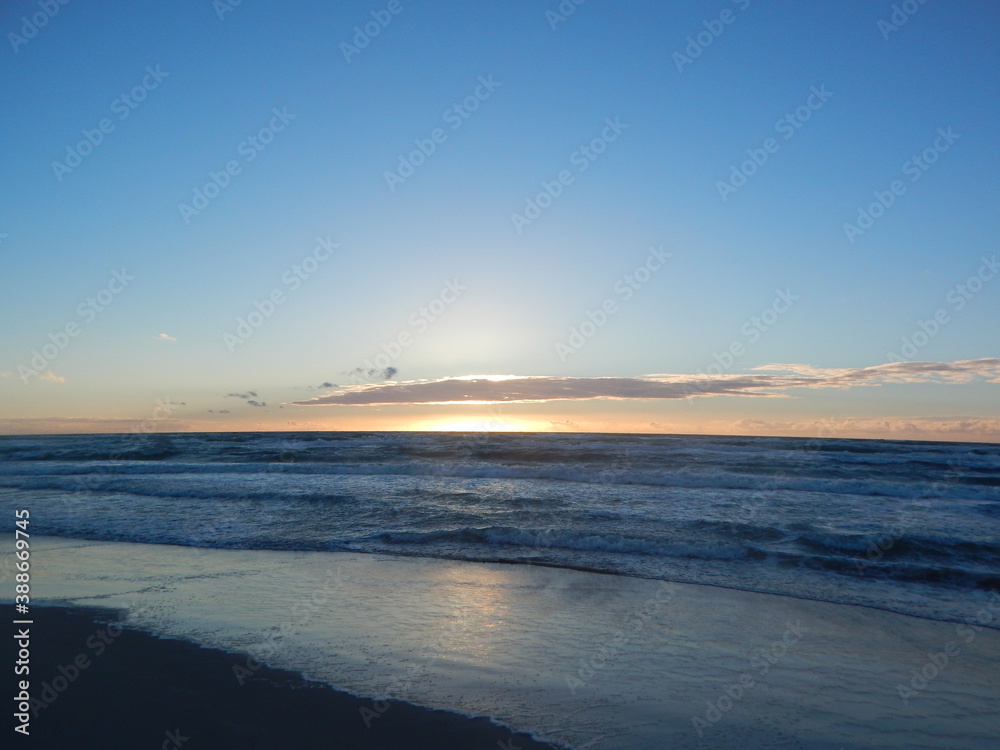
989,594
96,683
576,658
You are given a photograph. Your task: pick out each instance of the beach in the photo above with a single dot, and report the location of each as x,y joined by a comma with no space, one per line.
501,376
578,659
145,691
585,591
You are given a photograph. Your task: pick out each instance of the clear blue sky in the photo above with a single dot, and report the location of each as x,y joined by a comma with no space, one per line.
887,90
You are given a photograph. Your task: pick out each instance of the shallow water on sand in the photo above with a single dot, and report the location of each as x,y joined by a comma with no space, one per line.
583,659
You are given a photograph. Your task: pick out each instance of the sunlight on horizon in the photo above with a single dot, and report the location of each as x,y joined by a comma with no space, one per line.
484,423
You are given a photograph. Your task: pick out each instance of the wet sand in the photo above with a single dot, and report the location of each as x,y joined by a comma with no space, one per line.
577,659
136,690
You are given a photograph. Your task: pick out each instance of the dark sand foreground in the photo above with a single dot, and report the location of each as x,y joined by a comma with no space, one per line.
141,691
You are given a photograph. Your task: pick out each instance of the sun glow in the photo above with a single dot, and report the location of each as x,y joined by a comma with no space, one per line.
480,423
494,378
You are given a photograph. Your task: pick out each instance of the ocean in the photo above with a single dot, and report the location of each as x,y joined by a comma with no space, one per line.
908,527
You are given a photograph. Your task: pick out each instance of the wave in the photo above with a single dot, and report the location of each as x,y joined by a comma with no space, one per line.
889,547
567,540
738,540
595,552
916,569
57,477
515,447
824,518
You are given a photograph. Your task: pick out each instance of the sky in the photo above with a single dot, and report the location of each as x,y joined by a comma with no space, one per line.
724,217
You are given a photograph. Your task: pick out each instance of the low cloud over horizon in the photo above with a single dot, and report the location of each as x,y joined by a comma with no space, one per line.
659,386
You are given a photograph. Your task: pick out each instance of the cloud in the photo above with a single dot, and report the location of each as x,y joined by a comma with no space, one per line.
919,428
51,377
327,385
565,424
660,386
220,411
164,337
961,371
374,373
249,397
5,374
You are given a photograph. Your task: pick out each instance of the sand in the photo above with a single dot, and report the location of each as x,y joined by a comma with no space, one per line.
141,691
579,659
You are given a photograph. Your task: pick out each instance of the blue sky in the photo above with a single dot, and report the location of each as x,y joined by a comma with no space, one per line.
212,77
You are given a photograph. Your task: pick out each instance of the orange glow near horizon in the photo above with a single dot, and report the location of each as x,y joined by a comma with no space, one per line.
708,417
481,423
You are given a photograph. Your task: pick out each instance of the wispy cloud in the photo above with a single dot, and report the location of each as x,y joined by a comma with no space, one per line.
51,377
373,373
780,379
245,396
565,424
920,428
164,337
961,371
